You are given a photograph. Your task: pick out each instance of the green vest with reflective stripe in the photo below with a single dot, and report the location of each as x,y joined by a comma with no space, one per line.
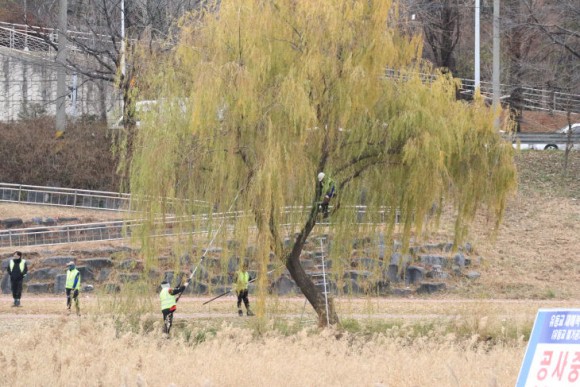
70,279
243,278
22,263
327,184
167,300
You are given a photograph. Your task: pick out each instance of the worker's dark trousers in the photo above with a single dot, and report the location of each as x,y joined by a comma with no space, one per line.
16,285
74,297
167,320
324,208
243,296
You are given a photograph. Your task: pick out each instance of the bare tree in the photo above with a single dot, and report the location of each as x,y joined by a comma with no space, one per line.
441,22
100,49
556,22
522,62
542,47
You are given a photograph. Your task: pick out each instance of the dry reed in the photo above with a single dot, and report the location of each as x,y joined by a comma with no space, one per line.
92,352
461,343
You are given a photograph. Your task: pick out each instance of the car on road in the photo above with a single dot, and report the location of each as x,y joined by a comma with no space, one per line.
575,130
550,144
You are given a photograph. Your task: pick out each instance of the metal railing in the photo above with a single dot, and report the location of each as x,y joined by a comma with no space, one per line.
53,196
25,41
44,236
33,38
527,97
114,201
113,230
171,226
76,198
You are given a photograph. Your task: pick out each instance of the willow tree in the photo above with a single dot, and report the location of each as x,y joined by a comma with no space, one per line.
258,96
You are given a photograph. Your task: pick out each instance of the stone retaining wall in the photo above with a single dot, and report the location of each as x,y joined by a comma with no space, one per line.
423,269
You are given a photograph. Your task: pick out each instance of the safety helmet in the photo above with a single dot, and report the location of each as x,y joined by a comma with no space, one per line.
321,176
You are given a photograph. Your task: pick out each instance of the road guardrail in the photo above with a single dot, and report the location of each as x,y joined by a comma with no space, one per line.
546,138
545,141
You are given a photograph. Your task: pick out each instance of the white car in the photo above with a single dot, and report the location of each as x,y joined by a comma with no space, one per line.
575,130
523,145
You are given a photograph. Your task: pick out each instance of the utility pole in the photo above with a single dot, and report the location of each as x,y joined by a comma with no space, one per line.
74,96
26,24
123,48
123,38
476,65
61,57
496,62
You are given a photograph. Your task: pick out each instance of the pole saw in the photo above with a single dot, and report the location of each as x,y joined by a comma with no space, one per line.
249,282
207,248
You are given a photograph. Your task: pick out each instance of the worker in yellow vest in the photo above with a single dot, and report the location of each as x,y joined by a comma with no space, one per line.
72,287
241,281
328,189
169,303
17,270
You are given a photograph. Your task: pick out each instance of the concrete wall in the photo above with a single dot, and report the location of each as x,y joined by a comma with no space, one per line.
28,88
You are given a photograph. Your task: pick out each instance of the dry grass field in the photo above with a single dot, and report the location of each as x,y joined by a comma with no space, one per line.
383,343
90,352
472,335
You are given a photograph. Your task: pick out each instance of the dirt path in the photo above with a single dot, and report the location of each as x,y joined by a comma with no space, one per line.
52,307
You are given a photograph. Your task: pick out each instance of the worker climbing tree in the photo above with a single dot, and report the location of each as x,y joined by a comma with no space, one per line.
327,192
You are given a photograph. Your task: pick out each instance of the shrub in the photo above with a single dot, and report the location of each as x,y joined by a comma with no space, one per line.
81,159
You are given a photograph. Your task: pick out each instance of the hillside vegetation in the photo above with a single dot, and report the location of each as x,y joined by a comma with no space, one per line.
82,159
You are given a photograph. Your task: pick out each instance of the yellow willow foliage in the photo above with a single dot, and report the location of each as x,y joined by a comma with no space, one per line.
259,96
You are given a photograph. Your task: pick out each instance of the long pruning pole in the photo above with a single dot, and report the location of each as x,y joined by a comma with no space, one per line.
229,291
208,246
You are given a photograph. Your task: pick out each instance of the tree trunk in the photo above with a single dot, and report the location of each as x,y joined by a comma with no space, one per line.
310,291
102,101
569,143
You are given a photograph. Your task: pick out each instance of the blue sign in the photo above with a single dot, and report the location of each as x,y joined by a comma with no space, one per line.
553,355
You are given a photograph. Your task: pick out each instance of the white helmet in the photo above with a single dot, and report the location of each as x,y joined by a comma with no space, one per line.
321,176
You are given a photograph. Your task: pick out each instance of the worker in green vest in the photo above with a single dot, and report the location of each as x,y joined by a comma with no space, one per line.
17,270
72,287
327,192
241,280
169,303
